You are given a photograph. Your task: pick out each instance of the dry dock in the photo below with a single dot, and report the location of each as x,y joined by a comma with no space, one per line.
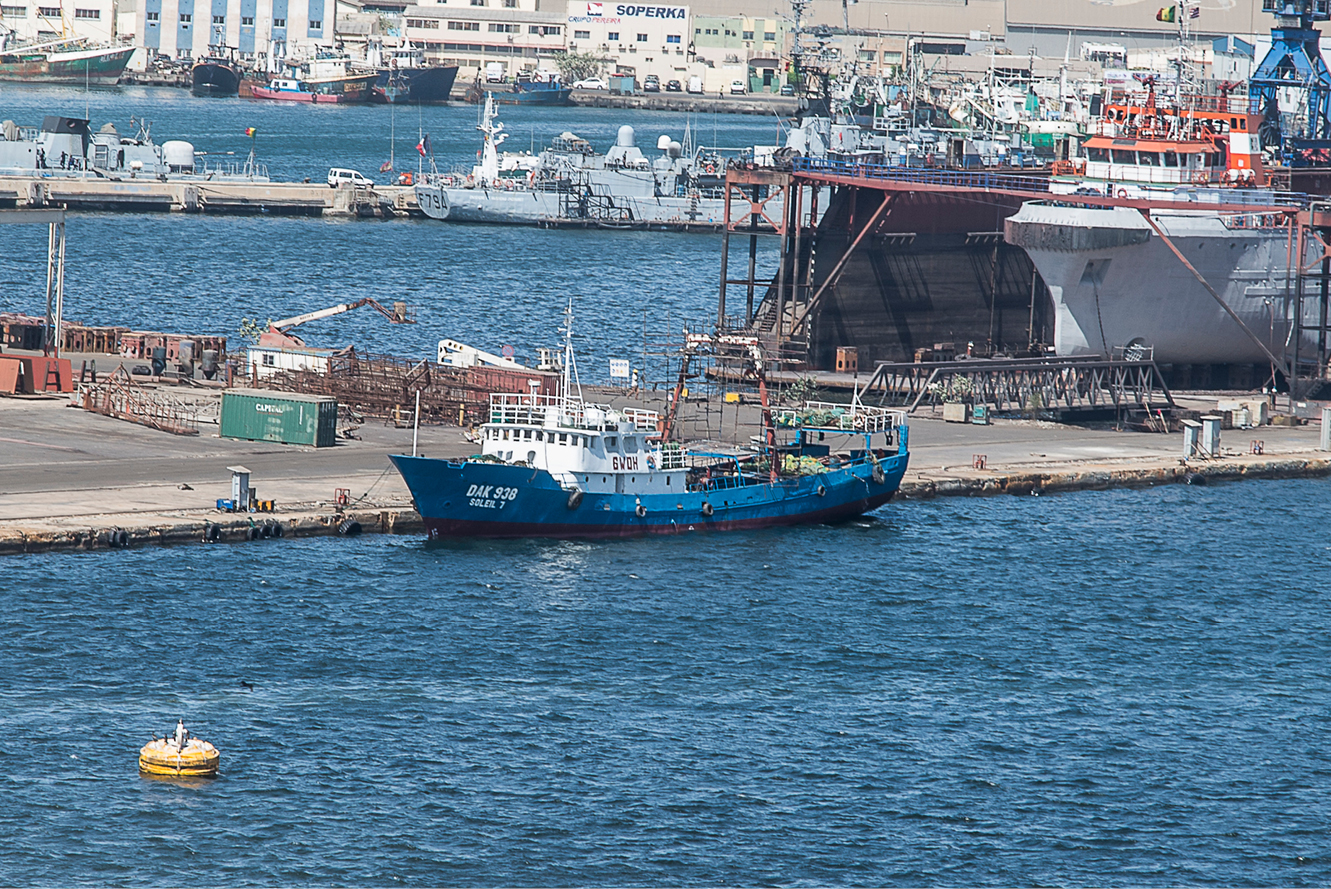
74,480
205,196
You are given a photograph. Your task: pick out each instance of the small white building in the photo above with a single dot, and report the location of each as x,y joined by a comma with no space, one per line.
265,361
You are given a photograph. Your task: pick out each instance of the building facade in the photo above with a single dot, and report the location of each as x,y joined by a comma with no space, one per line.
261,31
632,38
41,20
521,35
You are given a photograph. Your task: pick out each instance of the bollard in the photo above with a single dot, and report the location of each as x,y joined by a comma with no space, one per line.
1326,429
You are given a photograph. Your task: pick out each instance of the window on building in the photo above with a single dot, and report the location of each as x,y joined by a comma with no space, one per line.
464,26
612,36
477,2
673,38
317,24
582,35
769,36
247,21
421,23
748,35
499,28
544,30
867,55
510,4
279,23
642,38
48,11
187,18
153,16
17,11
697,30
219,20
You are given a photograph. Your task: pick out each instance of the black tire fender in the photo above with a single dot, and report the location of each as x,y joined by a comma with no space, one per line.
708,509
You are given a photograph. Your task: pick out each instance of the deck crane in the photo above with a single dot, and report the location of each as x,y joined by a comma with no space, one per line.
279,332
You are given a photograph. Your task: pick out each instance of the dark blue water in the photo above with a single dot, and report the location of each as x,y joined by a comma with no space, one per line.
1103,688
485,285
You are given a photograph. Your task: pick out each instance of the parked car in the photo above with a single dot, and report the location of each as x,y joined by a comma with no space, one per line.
591,83
339,176
652,84
737,87
787,89
672,86
695,84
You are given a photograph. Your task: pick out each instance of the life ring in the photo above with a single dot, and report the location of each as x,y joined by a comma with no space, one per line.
1122,192
708,509
641,511
710,168
822,490
575,499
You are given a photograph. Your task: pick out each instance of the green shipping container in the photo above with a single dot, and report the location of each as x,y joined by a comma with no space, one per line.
284,417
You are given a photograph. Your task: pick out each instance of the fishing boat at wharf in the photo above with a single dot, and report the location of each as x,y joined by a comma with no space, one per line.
65,61
217,77
537,89
405,78
559,466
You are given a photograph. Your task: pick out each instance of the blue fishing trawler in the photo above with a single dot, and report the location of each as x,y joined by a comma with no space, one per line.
558,466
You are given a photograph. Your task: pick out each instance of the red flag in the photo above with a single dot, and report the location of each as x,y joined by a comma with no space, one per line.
423,146
386,167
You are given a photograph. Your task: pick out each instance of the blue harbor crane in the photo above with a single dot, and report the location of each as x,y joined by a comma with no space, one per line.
1294,63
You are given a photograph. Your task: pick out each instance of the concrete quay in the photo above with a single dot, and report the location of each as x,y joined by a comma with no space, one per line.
71,480
205,196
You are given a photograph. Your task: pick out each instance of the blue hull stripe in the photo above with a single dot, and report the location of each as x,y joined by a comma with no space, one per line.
478,499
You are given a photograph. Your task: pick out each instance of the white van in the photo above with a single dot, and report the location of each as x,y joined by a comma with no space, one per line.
338,176
695,84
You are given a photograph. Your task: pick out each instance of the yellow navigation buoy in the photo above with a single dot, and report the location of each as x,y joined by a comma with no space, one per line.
180,756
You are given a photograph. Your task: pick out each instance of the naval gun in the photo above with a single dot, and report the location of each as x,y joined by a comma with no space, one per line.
279,334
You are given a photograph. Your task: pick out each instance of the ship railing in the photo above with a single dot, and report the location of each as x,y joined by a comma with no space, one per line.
950,178
1242,221
840,417
532,410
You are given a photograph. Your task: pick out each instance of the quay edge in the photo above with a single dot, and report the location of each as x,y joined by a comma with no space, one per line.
926,484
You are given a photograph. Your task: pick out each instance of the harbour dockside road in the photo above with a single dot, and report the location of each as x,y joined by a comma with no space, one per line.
76,480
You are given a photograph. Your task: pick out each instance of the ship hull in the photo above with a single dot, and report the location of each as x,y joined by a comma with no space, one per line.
102,67
496,500
408,86
1114,282
214,79
523,206
475,95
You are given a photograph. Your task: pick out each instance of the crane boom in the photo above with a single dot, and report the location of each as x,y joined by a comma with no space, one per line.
396,315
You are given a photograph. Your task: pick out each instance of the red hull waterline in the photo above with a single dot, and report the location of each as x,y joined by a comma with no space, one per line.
439,529
259,92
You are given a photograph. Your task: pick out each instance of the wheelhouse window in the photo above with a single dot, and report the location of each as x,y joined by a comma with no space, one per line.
1098,155
1148,158
1171,158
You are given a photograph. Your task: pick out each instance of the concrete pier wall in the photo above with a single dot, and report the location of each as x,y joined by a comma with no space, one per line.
204,196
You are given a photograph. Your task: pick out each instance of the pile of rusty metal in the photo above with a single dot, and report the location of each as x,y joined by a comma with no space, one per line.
119,396
384,387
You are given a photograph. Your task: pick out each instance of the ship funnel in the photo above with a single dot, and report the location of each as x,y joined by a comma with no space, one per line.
626,138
